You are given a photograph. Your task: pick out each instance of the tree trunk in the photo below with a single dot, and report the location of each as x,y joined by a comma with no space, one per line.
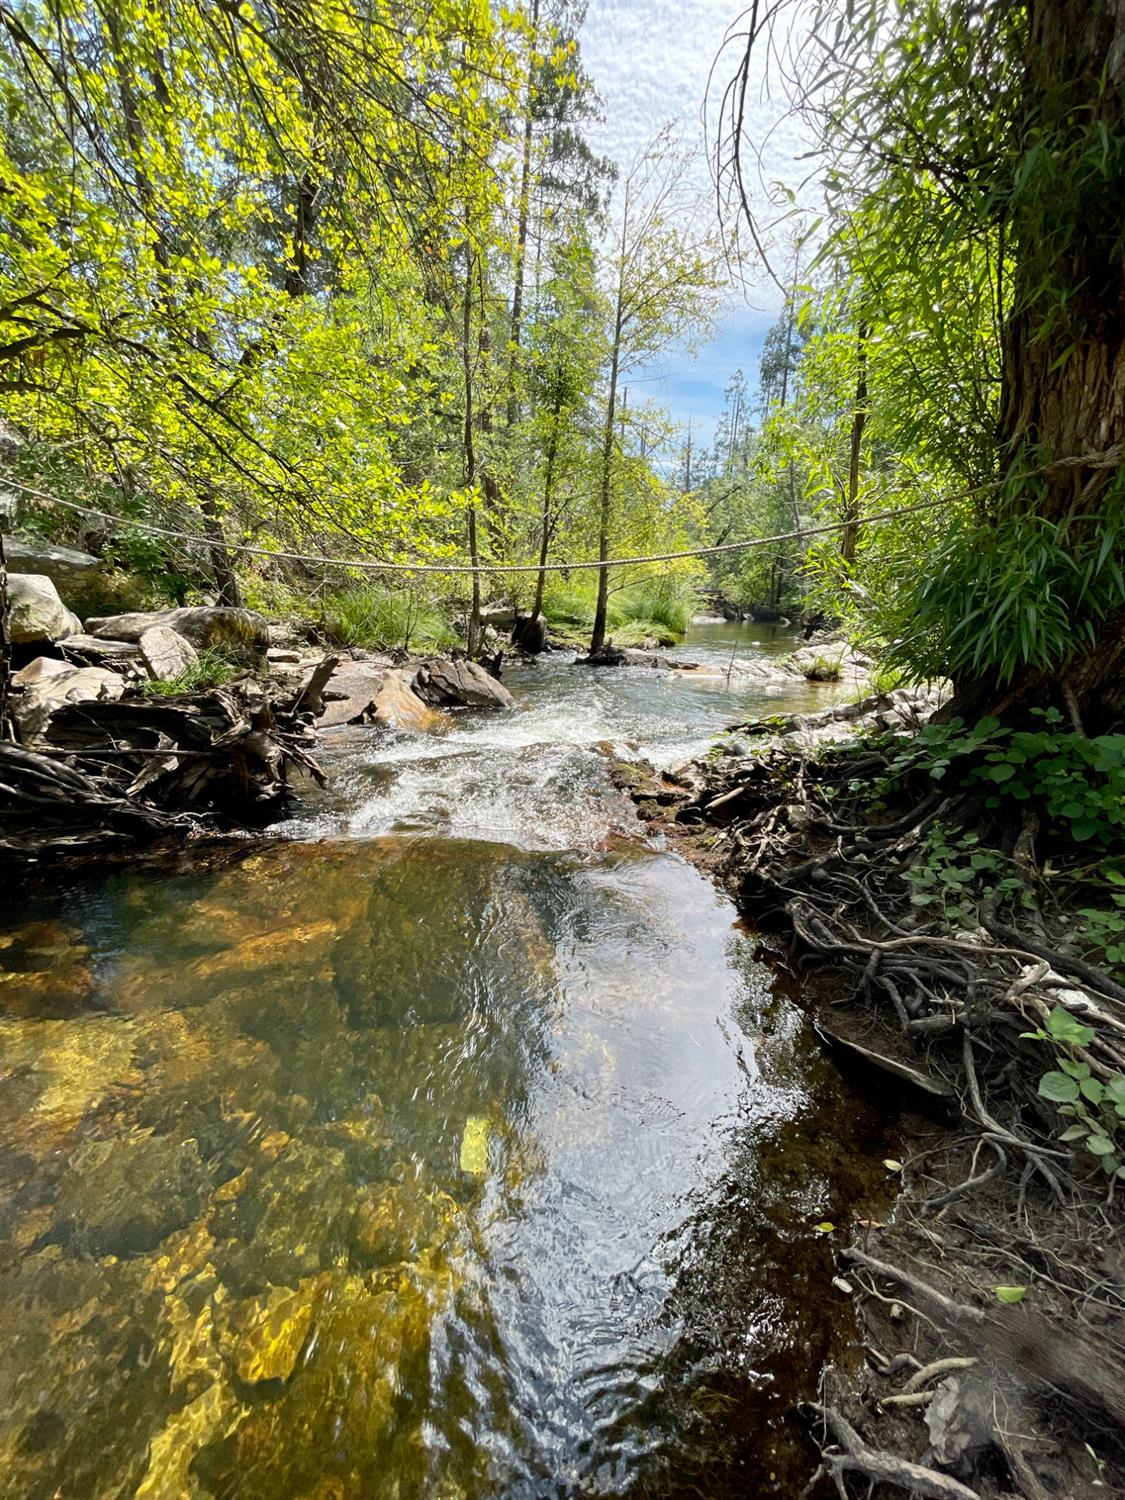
605,507
1063,375
222,565
473,633
597,637
5,644
859,419
516,332
298,268
546,518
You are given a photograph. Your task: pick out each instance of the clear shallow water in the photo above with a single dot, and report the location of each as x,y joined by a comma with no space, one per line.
467,1151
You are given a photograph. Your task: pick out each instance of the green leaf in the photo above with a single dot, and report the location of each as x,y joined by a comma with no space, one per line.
1010,1294
1100,1145
1059,1087
1064,1028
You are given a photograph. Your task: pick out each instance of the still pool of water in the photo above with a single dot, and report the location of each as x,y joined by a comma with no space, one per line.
455,1145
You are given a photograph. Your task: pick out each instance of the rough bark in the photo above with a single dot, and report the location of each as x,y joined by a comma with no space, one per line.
1062,407
859,421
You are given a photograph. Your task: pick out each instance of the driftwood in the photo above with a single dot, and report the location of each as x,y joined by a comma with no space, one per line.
132,770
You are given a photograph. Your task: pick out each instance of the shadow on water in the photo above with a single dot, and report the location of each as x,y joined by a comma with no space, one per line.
418,1164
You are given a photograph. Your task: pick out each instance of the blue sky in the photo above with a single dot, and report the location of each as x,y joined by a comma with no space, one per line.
650,60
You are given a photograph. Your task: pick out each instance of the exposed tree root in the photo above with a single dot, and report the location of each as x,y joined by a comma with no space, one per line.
943,1011
851,1455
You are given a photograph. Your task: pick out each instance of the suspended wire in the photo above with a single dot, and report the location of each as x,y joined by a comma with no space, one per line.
371,566
1108,458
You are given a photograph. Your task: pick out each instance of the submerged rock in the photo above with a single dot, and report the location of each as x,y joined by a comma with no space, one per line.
292,1220
395,1221
330,1433
266,1333
125,1195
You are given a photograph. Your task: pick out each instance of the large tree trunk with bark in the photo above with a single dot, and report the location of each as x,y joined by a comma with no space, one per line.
1063,397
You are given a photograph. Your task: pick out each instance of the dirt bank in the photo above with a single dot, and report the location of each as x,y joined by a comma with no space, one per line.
991,1302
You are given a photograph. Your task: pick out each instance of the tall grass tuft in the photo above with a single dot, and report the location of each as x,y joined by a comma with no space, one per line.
381,619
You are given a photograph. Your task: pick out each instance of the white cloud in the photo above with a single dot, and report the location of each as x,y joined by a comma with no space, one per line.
651,61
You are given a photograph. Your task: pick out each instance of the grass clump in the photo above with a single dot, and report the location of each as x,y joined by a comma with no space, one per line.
665,608
657,612
647,633
823,669
382,619
213,668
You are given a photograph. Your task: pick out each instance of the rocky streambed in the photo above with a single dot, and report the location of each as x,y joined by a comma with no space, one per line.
456,1144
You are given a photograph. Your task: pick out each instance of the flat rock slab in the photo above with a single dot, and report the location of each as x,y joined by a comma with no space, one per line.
91,646
64,566
166,654
203,626
447,681
35,611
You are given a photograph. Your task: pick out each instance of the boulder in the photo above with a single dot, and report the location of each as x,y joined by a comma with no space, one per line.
36,613
530,635
202,625
46,684
398,706
65,567
446,681
359,692
352,689
166,654
499,616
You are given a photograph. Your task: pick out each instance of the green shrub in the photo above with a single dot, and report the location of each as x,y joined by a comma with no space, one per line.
643,633
1078,782
381,619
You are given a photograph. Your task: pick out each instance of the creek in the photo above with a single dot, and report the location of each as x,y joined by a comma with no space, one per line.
455,1143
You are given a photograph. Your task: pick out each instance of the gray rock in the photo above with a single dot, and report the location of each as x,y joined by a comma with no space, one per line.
166,654
443,681
960,1423
64,566
203,626
46,684
352,689
36,613
90,649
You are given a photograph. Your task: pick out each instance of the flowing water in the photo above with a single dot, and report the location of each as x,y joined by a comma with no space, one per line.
455,1144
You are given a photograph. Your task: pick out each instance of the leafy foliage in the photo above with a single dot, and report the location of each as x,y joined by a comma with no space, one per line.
1078,782
1096,1105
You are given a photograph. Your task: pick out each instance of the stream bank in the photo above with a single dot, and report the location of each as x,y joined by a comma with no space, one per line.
992,1299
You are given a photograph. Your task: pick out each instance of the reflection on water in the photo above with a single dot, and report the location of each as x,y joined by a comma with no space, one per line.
413,1165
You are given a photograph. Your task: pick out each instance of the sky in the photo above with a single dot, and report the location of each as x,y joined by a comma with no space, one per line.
650,61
